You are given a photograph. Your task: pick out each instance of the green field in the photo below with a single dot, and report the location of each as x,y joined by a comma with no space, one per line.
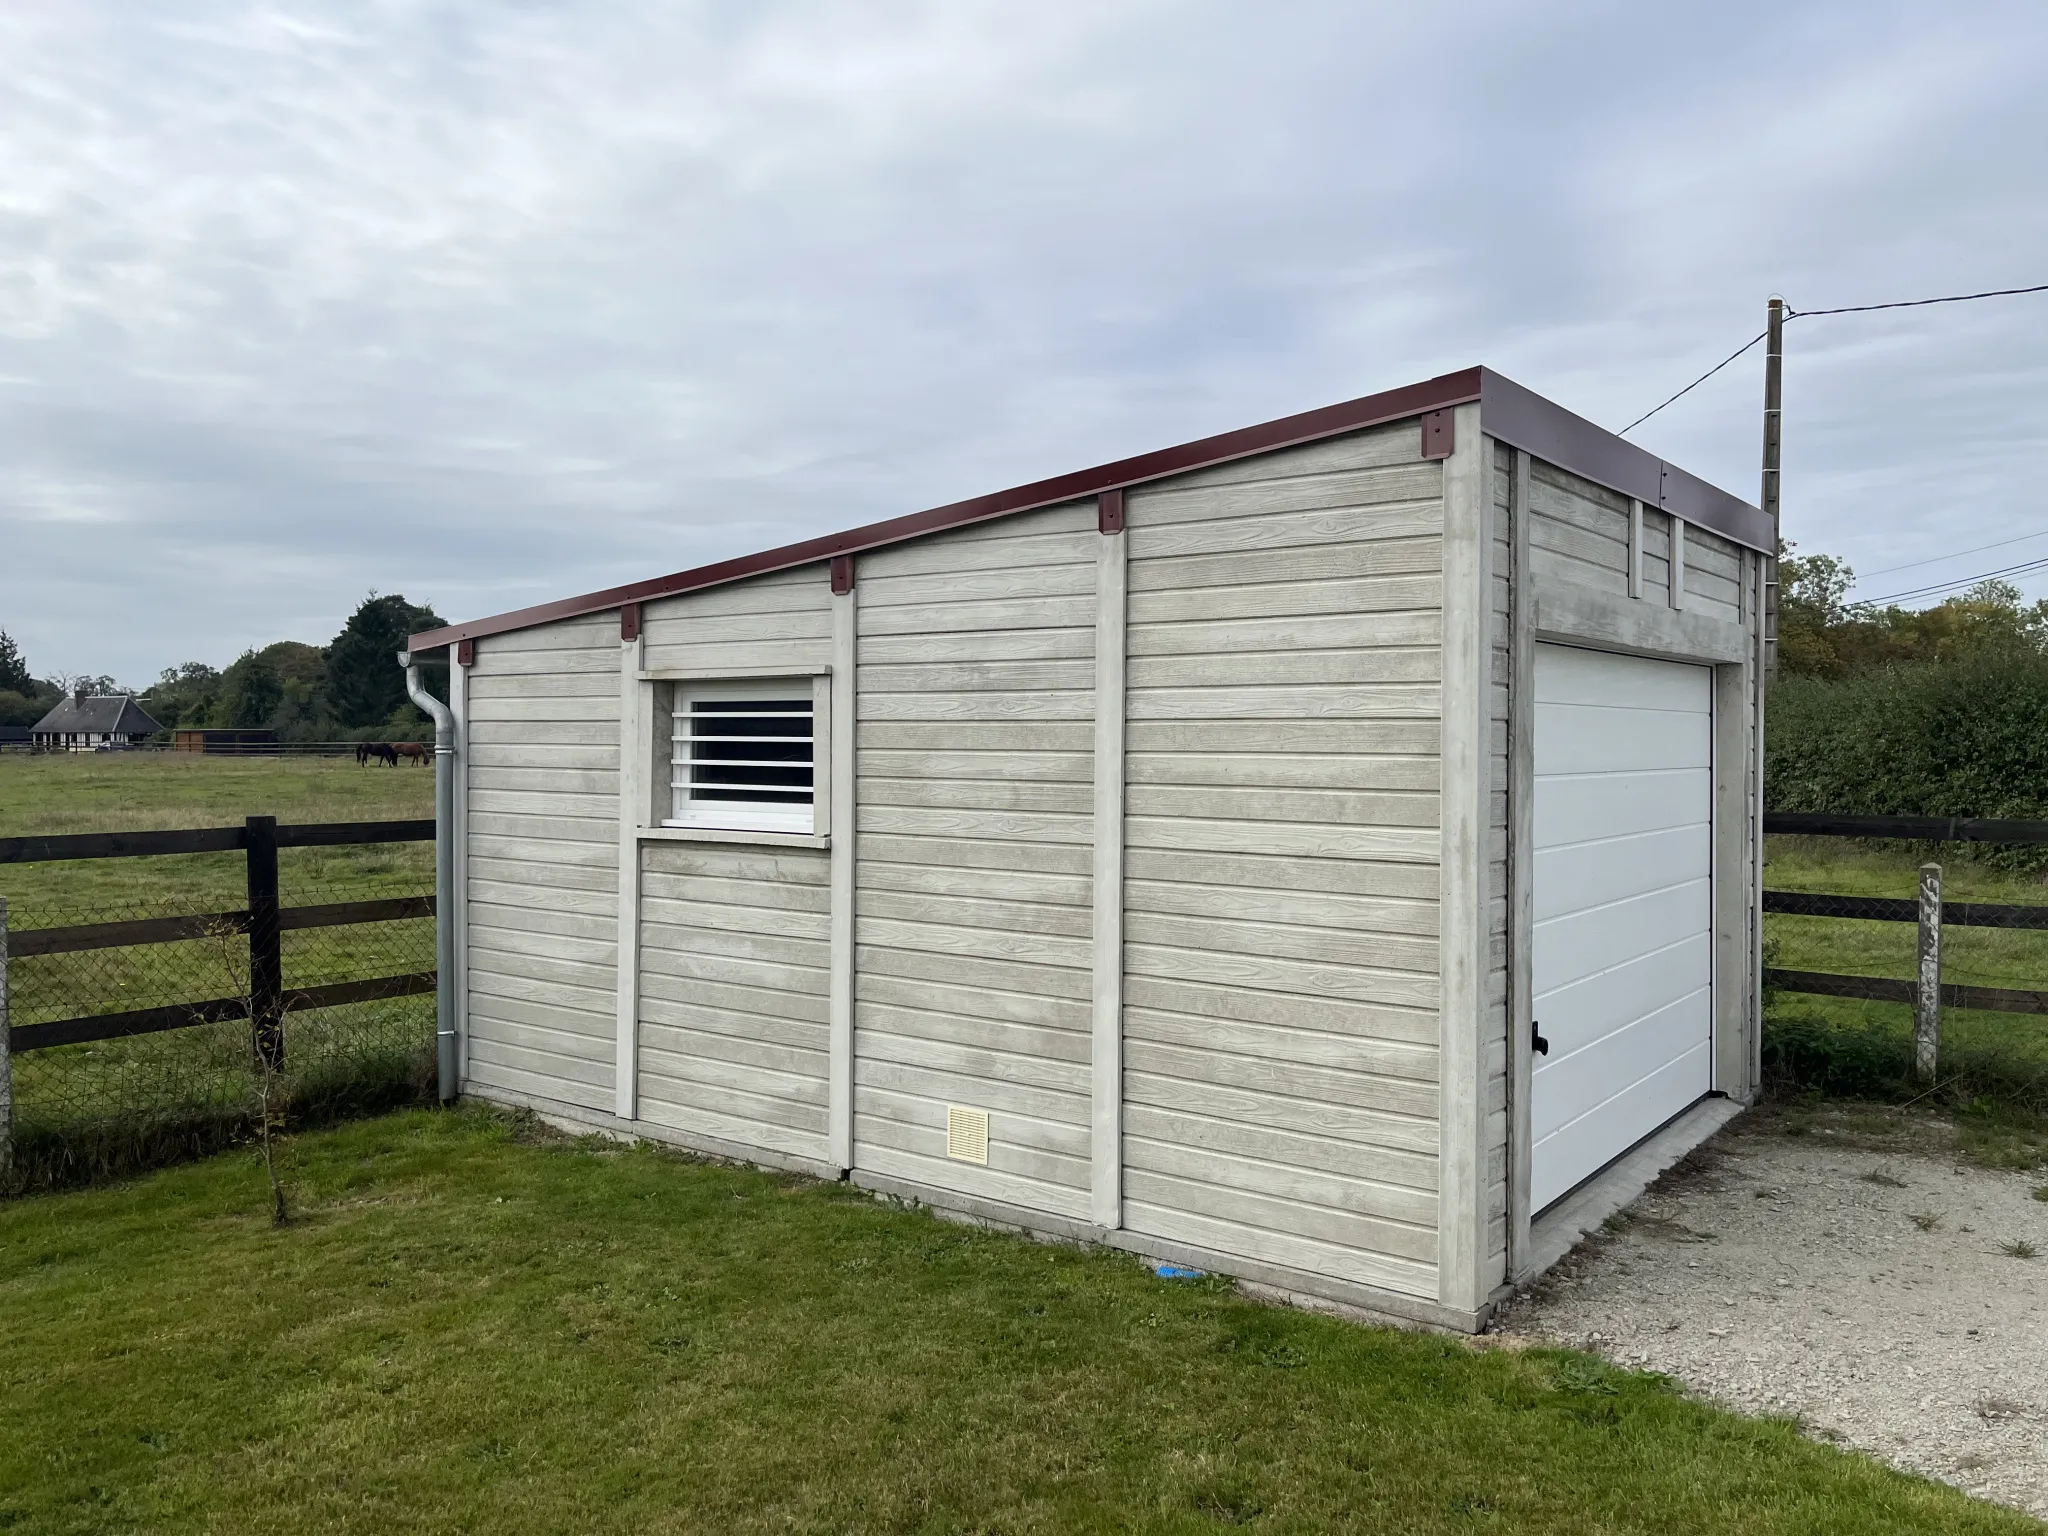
99,1107
471,1327
134,791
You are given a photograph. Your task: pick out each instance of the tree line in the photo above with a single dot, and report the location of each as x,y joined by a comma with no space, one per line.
349,688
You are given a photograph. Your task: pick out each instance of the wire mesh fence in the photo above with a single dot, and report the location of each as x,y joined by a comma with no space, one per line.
1889,983
1993,955
130,990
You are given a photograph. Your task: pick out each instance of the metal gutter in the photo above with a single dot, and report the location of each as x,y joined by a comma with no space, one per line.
1509,412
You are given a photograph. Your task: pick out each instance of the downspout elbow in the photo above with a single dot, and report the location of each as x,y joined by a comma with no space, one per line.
433,708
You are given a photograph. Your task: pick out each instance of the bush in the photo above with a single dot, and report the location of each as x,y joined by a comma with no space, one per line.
1867,1053
1808,1052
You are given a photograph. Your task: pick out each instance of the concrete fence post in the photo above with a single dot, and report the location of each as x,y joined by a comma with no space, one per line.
6,1062
1927,998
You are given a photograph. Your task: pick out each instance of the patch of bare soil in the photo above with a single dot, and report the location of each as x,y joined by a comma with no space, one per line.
1844,1268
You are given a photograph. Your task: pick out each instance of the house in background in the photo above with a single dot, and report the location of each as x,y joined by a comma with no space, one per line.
1319,853
85,724
14,737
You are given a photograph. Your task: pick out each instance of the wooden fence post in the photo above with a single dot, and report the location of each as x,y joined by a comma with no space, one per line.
1927,997
6,1061
266,943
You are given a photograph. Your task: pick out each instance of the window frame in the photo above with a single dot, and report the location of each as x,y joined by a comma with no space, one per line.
652,798
767,816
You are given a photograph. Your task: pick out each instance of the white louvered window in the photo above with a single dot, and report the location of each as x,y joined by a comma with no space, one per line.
742,757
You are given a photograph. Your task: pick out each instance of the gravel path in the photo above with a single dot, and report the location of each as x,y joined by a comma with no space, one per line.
1841,1268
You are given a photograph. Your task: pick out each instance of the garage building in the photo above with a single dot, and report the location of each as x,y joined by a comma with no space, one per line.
1311,853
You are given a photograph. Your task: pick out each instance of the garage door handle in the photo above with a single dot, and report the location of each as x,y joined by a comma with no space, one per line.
1537,1043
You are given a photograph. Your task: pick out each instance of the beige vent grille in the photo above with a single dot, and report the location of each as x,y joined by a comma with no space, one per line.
967,1134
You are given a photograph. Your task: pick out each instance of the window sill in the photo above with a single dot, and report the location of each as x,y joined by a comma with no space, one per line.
735,835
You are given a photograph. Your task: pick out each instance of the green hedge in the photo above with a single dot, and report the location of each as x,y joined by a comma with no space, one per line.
1967,737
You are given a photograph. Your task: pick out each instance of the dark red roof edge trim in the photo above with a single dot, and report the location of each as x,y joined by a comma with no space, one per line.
1547,430
1524,419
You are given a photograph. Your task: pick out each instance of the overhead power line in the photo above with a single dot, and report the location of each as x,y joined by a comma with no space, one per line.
1849,309
1953,298
2024,568
1695,384
1957,554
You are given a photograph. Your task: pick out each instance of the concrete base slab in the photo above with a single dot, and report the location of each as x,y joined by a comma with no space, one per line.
1557,1231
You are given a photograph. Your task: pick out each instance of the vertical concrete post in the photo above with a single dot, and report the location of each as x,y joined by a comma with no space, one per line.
639,738
1467,1021
842,774
1106,1061
1927,999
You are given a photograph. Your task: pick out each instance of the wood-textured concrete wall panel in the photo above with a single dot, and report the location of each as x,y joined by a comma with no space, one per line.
541,775
1280,1092
1714,570
734,944
973,889
778,620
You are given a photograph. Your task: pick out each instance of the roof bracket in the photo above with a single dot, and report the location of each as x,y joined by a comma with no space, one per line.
465,653
629,622
1439,434
842,575
1109,512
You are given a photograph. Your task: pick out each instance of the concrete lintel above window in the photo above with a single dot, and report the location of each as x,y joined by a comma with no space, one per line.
1585,617
735,835
726,674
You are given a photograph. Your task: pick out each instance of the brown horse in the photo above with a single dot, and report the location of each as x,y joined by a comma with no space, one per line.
410,752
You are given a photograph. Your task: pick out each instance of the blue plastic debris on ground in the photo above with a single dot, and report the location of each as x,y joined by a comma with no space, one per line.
1177,1272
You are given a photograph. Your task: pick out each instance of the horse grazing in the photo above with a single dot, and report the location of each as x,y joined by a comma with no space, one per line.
375,752
411,752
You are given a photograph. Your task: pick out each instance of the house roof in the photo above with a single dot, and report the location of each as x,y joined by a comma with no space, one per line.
114,714
1508,412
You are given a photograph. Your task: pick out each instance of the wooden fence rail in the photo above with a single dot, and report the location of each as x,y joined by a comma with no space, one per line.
134,845
174,930
1889,909
1893,989
264,920
1917,829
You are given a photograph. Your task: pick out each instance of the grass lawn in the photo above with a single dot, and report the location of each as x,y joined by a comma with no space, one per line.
470,1327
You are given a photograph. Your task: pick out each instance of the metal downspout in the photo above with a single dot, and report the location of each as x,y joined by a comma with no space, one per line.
444,876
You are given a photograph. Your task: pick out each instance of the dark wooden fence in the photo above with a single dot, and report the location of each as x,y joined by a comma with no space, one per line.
264,920
1887,909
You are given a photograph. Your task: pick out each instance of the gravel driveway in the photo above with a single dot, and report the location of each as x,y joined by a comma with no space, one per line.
1843,1268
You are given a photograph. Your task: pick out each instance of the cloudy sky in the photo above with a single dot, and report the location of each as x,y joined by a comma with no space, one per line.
490,303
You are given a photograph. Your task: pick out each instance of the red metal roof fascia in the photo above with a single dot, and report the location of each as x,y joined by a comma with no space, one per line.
1451,389
1526,420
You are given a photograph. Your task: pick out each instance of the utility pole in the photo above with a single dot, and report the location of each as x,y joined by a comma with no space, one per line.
1774,410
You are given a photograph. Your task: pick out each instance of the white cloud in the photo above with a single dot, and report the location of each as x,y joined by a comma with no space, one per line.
490,303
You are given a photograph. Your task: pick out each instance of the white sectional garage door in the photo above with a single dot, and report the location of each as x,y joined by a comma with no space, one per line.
1623,955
